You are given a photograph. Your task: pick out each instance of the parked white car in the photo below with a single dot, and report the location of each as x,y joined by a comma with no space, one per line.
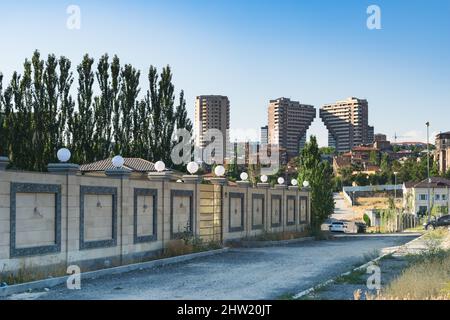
338,226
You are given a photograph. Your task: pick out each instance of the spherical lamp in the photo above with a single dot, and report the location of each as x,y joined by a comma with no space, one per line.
280,180
305,184
264,178
244,176
63,155
192,167
294,182
118,161
160,166
219,171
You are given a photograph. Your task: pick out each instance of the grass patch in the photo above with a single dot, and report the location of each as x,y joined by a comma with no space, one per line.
286,296
426,278
389,256
279,236
320,235
180,247
29,273
353,277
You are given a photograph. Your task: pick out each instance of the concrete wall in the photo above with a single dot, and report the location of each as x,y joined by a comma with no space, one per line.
53,219
252,211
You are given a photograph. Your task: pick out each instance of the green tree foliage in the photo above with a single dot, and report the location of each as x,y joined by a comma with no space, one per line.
373,158
327,150
3,132
346,174
320,176
38,114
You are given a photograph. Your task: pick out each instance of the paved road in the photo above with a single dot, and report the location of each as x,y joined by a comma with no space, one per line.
262,273
342,209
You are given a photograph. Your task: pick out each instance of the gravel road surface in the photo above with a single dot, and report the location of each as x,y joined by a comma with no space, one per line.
262,273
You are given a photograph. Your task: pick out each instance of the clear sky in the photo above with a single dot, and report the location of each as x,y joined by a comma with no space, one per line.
316,52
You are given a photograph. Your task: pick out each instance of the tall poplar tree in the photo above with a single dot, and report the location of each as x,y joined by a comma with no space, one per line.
38,114
129,92
67,105
3,138
319,174
103,111
84,124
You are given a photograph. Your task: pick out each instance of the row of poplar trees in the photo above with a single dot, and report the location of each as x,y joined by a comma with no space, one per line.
109,116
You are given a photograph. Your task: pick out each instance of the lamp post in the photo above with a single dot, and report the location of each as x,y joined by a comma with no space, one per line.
395,186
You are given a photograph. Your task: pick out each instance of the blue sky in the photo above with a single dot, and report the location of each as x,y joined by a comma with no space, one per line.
316,52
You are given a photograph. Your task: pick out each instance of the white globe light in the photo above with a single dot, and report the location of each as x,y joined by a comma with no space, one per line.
192,167
280,180
63,154
264,178
306,184
244,176
118,161
294,182
219,171
160,166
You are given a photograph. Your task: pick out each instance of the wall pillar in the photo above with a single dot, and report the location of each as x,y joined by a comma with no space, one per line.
266,186
163,178
221,182
4,161
123,174
196,180
296,214
248,225
69,170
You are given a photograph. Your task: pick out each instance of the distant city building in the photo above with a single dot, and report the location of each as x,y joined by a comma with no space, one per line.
265,135
380,137
211,112
442,153
347,124
380,142
288,123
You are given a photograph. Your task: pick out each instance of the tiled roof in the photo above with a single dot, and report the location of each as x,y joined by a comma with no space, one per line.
435,183
134,164
363,148
342,161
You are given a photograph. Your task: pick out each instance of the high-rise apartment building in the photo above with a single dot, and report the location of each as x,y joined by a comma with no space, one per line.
347,124
288,124
265,135
211,112
371,135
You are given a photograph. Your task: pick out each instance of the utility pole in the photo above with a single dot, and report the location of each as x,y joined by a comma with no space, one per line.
395,186
428,170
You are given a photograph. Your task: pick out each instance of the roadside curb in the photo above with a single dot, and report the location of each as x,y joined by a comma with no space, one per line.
364,266
53,282
374,235
263,244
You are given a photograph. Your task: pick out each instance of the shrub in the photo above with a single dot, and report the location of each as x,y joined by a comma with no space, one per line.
366,219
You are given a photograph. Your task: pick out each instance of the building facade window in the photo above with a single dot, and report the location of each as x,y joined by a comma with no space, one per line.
423,197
